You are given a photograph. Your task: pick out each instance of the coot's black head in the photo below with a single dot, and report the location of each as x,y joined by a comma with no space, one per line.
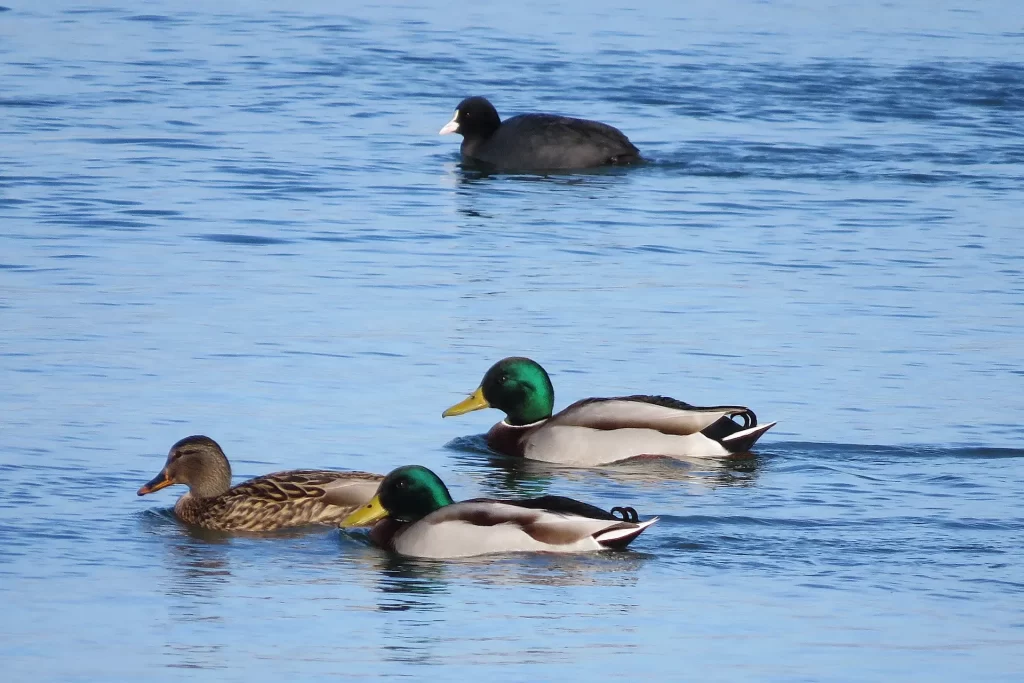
475,117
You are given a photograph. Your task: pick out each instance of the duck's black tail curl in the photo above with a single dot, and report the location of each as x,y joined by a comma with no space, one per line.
628,514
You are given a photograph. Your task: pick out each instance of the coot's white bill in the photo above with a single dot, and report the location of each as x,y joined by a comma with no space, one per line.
452,126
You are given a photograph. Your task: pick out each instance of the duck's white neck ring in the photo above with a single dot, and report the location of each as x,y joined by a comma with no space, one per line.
505,422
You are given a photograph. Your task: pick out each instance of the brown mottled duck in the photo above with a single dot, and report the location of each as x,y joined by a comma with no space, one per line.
273,501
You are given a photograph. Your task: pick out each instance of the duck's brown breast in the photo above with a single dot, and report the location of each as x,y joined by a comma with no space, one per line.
508,439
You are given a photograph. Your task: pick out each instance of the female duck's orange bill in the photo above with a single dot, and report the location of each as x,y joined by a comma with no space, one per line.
158,482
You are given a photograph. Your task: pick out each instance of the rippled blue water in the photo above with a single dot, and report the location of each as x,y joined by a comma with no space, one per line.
238,220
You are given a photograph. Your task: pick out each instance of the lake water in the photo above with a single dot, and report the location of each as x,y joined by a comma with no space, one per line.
237,219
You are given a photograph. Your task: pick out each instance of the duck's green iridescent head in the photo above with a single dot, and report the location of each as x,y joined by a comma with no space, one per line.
519,387
407,494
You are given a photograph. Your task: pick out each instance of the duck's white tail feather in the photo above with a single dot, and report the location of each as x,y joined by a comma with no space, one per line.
744,439
620,536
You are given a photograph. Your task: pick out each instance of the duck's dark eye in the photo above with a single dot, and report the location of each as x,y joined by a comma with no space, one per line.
504,378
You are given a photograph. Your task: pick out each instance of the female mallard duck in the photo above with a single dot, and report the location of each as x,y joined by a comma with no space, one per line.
273,501
599,431
415,515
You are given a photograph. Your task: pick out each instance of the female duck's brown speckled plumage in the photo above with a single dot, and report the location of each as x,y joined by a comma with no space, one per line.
273,501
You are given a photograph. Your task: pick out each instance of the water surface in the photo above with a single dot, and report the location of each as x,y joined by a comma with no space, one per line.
239,221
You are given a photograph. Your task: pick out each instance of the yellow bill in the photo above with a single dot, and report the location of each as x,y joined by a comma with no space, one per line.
474,401
366,515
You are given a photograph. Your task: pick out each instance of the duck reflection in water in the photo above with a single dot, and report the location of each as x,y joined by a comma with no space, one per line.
196,558
408,584
502,475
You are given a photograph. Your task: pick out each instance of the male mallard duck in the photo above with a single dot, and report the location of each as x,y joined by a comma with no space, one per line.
273,501
599,431
415,515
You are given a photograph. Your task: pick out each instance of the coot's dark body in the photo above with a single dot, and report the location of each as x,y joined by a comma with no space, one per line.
536,141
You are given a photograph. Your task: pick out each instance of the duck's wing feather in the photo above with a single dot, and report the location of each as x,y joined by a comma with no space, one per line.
564,505
660,413
343,489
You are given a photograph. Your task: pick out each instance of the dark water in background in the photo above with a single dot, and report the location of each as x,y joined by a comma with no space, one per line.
238,220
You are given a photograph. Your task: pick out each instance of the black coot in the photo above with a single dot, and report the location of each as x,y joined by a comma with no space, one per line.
536,141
